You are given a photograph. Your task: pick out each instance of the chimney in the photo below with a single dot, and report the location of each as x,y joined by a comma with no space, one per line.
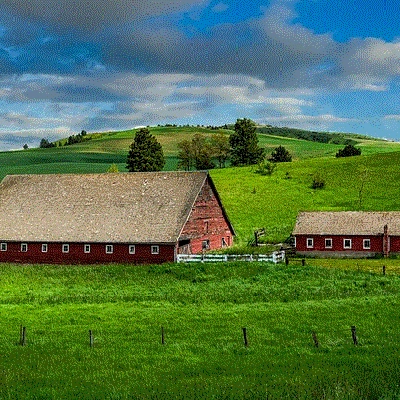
386,246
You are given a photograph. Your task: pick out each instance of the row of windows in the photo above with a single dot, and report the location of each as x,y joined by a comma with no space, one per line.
109,248
347,243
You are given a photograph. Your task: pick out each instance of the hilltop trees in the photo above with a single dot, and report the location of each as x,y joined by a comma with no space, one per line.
145,153
244,144
195,153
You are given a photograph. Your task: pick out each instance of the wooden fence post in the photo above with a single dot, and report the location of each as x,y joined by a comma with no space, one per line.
246,343
162,335
384,270
314,336
22,340
354,335
91,338
303,262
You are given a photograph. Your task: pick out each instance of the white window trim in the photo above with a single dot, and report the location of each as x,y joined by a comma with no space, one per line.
45,247
155,249
364,246
344,244
312,243
132,249
65,248
223,242
86,248
3,246
326,246
22,247
109,249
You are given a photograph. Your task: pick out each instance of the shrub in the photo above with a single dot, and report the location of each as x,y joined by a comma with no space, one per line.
348,151
318,182
280,154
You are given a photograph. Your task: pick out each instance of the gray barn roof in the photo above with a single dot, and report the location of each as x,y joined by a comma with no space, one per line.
122,207
347,223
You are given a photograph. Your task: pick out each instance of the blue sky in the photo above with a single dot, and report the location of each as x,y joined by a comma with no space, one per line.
100,65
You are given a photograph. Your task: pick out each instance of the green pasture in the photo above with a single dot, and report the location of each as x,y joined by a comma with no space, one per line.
203,309
104,149
254,201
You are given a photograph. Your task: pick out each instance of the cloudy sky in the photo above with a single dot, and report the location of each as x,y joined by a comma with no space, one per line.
99,65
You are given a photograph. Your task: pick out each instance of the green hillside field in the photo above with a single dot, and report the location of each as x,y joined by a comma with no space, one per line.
252,201
202,309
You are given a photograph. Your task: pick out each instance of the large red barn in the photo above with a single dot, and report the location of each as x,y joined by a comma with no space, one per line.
122,217
347,233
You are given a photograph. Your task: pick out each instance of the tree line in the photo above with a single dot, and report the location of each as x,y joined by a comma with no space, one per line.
201,152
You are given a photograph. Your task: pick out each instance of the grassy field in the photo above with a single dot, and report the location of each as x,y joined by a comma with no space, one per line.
203,309
252,201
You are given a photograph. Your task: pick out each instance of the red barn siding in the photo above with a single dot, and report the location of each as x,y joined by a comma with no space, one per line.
207,222
337,243
76,254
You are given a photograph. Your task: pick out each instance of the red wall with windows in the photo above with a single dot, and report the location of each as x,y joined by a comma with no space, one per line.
76,254
207,222
337,243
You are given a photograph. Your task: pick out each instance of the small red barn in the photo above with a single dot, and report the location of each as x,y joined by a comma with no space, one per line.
347,233
123,217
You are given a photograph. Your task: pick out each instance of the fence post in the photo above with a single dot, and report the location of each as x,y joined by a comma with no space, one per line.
246,343
91,338
314,336
22,340
162,335
354,335
384,270
303,262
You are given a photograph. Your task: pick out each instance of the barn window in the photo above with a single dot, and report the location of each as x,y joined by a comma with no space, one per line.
109,249
132,249
205,226
310,243
205,244
223,242
86,248
44,248
24,247
3,247
65,248
366,244
155,249
328,243
347,243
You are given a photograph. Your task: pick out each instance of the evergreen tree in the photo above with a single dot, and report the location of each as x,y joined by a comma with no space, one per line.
145,153
244,144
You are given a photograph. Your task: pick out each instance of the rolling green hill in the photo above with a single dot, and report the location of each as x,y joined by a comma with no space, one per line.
251,200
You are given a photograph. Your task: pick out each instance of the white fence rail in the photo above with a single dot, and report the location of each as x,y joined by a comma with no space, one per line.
275,257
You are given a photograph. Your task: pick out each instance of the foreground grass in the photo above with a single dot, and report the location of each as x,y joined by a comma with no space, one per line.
203,308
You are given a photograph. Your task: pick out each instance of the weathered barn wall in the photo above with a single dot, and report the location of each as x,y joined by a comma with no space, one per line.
207,222
76,254
337,244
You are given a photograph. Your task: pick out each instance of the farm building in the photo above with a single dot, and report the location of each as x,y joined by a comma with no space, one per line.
145,217
347,233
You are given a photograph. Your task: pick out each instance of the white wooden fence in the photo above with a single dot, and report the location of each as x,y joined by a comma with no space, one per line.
275,257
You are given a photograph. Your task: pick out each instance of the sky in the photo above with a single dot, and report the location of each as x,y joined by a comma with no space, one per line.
101,65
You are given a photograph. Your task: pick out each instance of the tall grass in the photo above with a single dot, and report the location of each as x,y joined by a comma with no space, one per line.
202,309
